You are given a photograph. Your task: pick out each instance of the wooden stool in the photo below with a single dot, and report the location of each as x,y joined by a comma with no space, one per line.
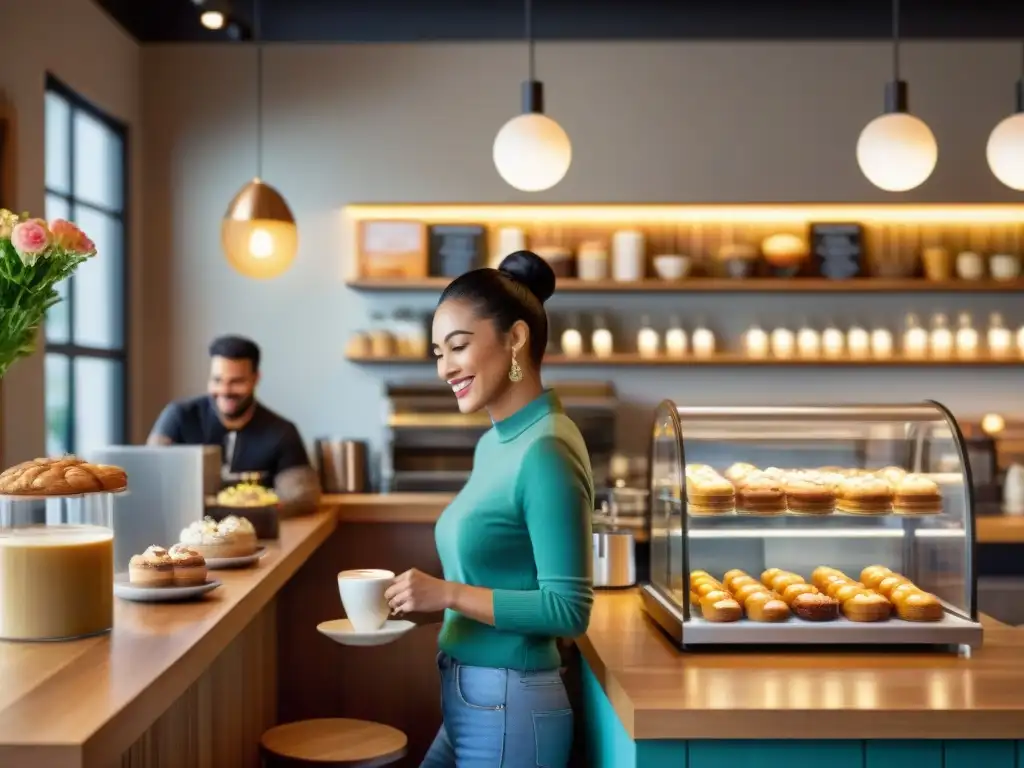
336,741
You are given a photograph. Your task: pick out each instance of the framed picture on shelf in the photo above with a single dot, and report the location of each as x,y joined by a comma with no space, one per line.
392,249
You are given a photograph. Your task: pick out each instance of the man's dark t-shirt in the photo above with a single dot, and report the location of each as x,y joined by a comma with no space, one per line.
266,446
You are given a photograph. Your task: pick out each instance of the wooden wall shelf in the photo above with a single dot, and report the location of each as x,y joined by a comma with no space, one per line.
726,359
724,285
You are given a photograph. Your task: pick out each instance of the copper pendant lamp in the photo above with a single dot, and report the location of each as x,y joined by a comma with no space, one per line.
258,233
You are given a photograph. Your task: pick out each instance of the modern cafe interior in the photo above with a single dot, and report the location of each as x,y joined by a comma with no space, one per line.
788,322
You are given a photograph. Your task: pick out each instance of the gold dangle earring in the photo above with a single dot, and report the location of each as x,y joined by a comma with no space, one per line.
515,373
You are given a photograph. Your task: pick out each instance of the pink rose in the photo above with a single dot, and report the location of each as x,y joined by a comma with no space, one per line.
71,238
30,239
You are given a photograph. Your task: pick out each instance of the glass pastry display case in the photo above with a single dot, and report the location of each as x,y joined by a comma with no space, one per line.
842,525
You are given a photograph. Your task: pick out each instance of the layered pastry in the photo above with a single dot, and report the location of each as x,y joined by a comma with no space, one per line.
808,495
866,605
189,566
777,474
65,476
866,495
708,493
720,606
231,537
919,606
759,494
917,495
153,568
738,471
892,475
911,602
815,607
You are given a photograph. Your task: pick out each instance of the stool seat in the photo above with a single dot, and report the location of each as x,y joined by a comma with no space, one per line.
336,740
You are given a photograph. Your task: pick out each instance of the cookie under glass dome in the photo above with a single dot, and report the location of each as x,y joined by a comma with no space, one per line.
730,491
56,566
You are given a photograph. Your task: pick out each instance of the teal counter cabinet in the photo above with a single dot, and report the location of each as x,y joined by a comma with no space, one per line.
608,745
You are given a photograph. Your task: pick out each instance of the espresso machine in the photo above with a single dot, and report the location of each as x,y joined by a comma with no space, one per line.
430,444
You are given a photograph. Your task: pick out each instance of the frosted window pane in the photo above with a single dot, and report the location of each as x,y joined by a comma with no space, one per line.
98,400
99,176
97,284
58,161
58,318
58,401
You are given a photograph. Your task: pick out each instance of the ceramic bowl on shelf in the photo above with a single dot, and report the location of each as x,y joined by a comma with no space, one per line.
671,266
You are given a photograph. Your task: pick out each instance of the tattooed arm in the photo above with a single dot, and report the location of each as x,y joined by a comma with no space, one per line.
298,488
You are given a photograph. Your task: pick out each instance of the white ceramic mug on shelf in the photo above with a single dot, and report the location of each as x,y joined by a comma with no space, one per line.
362,597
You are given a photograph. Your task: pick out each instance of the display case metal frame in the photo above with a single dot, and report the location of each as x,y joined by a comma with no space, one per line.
959,628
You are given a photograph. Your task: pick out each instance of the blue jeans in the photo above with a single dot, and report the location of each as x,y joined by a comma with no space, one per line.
501,718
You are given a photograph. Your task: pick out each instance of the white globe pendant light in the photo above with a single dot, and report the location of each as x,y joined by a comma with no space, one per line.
532,152
1005,149
897,151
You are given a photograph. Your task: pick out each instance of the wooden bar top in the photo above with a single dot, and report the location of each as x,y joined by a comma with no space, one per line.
660,692
427,507
85,702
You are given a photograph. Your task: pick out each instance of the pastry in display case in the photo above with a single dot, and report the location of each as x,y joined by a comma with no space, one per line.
837,525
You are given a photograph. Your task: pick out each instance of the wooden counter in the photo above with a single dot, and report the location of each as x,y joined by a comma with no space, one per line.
187,684
426,507
658,692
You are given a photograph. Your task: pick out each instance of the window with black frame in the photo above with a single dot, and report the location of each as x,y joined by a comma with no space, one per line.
86,333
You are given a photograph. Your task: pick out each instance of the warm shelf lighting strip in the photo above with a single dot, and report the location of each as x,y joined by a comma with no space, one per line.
636,214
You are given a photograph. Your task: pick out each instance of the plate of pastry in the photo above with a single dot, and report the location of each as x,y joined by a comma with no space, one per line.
342,631
227,543
161,575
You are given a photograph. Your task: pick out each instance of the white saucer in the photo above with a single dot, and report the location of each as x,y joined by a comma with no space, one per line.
219,563
341,631
140,594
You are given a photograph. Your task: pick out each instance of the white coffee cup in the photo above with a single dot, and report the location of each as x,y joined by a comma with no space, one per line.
362,596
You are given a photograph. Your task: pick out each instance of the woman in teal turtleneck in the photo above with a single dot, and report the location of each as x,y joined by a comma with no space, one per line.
515,542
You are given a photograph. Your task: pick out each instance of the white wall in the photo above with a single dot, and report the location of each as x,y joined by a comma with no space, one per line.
649,122
75,41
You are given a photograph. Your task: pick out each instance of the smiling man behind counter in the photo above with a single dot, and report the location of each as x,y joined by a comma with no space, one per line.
258,445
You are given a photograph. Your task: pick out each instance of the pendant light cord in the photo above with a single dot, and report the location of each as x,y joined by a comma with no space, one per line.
259,87
896,40
528,17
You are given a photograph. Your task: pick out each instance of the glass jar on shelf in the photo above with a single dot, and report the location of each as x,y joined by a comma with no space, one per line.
966,337
675,339
808,342
999,340
783,343
572,339
833,342
648,343
915,339
941,341
858,342
601,341
755,342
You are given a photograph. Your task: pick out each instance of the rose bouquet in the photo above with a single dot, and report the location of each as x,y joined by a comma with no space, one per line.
34,257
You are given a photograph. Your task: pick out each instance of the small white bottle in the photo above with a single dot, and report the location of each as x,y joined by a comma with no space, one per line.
601,341
881,343
675,339
755,342
858,342
999,339
572,340
703,341
941,341
648,343
783,343
808,342
966,337
833,342
915,339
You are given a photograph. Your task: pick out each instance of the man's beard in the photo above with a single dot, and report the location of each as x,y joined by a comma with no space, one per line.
241,405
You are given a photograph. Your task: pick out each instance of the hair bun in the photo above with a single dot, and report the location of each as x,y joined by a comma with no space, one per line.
531,270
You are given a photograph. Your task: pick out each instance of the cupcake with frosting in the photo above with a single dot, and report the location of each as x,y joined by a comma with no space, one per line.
189,566
153,568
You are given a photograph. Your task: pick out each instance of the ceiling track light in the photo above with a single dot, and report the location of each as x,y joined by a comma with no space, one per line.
531,151
897,151
1005,148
